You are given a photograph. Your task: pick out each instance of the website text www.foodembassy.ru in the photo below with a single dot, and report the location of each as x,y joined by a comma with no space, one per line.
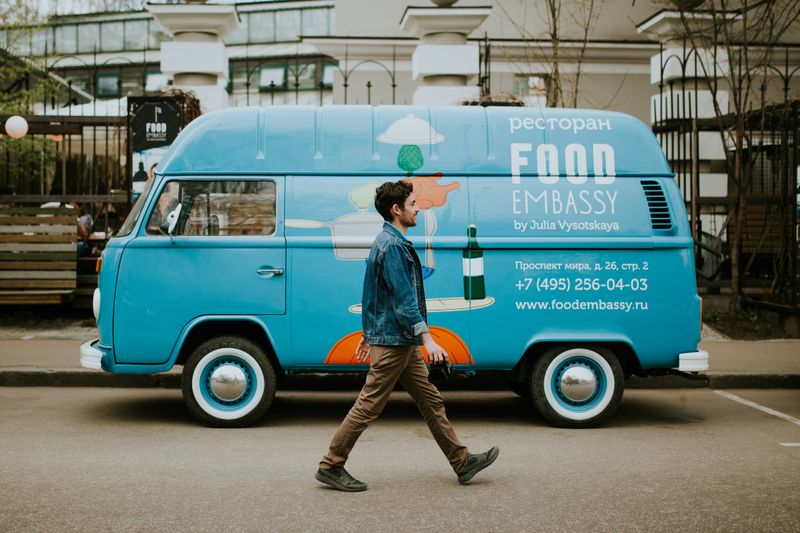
581,305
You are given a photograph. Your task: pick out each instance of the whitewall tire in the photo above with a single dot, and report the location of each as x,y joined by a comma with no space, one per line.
228,382
577,386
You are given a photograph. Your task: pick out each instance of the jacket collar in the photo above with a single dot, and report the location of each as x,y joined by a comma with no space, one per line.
394,231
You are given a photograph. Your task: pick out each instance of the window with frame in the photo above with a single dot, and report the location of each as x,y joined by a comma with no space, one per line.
287,24
531,85
19,41
66,42
135,34
88,37
262,27
765,161
112,36
132,82
315,22
40,40
215,208
237,79
108,86
272,78
78,81
304,75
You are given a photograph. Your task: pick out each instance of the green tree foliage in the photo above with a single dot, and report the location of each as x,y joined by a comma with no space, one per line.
23,80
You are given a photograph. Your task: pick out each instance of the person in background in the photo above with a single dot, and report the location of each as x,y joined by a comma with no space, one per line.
85,223
138,183
141,174
84,220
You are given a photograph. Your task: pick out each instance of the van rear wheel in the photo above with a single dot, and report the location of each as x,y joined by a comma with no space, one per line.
228,382
577,386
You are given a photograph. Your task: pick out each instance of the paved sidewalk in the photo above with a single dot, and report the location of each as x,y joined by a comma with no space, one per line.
49,357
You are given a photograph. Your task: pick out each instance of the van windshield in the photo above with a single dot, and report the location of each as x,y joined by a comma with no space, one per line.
136,212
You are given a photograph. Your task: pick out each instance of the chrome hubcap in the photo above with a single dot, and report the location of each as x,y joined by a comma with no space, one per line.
228,382
578,383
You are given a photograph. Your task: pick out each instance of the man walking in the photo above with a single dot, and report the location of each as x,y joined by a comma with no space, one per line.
394,319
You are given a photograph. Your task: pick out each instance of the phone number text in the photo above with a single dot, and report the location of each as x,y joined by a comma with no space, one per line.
545,284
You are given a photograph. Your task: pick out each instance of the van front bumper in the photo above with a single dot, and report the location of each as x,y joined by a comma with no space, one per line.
91,355
693,361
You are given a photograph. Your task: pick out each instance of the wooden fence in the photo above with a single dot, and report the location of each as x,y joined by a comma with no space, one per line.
38,255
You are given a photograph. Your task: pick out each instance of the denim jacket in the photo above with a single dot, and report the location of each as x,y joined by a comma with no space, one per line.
393,301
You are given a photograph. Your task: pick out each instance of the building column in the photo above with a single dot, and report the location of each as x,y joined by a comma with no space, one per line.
683,77
443,63
196,59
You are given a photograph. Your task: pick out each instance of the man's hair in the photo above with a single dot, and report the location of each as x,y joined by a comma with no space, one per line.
389,194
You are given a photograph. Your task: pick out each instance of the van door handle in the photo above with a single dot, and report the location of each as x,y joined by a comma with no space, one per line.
270,271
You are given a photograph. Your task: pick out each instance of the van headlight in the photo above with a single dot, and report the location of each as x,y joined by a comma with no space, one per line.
96,303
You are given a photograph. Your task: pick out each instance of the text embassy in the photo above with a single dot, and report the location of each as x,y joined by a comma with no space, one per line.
556,202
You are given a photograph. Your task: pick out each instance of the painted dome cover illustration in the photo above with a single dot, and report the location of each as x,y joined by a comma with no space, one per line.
410,130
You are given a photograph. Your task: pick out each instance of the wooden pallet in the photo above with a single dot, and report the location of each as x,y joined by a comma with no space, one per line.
37,255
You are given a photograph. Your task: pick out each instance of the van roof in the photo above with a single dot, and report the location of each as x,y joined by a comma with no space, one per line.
404,140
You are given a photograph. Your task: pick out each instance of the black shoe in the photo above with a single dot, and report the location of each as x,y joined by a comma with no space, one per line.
478,462
340,479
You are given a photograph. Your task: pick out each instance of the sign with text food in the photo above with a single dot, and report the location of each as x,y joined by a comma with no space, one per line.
154,124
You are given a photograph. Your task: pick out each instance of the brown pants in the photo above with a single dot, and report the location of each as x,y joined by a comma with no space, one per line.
387,365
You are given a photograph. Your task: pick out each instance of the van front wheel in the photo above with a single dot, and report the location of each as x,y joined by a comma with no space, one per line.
577,387
228,382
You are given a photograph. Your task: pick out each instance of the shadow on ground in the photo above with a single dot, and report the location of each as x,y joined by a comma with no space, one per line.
301,408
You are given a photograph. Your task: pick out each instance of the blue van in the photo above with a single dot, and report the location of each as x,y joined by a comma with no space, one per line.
555,247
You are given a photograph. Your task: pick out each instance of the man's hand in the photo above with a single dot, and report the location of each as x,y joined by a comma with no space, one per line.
362,350
436,353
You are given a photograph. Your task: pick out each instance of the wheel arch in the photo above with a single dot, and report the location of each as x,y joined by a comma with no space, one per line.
621,346
204,328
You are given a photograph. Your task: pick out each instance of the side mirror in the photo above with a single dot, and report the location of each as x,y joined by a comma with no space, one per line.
172,218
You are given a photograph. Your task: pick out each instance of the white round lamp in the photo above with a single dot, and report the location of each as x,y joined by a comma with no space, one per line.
16,127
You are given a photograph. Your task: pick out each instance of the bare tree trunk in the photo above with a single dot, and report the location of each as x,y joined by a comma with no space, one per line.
735,27
554,94
537,53
740,210
585,21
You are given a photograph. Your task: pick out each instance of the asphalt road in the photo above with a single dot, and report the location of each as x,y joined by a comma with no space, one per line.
84,459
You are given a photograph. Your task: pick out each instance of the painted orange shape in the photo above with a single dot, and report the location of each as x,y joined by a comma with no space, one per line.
429,193
344,351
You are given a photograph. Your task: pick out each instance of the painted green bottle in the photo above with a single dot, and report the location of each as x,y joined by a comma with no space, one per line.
474,283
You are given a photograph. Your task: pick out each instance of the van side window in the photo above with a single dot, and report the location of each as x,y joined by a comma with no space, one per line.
217,208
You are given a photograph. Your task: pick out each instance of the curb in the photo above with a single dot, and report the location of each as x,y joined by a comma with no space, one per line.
344,382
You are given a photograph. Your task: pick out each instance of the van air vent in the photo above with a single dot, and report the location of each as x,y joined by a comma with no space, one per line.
657,203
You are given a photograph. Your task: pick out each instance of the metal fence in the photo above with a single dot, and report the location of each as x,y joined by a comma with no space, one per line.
69,159
746,237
